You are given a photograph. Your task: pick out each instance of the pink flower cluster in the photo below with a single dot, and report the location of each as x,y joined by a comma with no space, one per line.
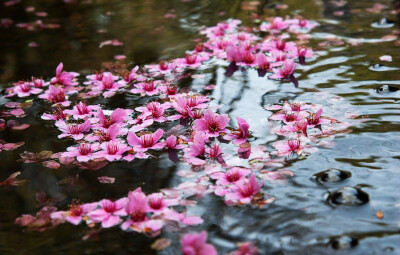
138,212
302,125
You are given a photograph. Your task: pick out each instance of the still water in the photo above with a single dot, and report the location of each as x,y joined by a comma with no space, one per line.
329,206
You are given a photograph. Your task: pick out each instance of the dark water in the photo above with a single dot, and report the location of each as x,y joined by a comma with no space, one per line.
334,213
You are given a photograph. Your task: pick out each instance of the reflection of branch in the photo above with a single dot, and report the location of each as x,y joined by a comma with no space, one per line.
240,92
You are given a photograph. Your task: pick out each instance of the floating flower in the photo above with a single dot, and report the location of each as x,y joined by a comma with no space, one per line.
146,141
212,124
195,243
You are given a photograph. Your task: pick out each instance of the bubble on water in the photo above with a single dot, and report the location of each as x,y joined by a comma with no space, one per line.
382,68
348,196
343,242
386,89
383,23
331,175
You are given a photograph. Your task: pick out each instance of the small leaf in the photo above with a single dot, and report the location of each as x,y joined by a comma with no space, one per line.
51,164
160,244
44,154
106,179
379,214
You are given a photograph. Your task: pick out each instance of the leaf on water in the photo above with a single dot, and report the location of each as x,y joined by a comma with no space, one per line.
44,154
160,244
17,112
106,179
379,214
26,104
20,127
12,146
51,164
12,105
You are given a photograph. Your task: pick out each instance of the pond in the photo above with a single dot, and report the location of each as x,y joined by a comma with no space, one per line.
317,172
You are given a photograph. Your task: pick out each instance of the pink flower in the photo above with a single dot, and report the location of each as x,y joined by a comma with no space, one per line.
314,119
262,61
58,114
196,149
298,127
154,109
191,60
241,134
108,84
275,26
286,72
172,143
278,45
64,78
136,208
145,142
288,116
112,150
55,95
106,135
215,151
76,131
148,87
83,152
25,89
163,67
82,110
109,212
157,203
234,54
38,83
75,214
212,124
244,190
195,244
117,116
286,147
233,175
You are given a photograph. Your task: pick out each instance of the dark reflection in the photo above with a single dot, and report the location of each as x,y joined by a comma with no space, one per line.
383,23
343,242
348,196
331,175
384,89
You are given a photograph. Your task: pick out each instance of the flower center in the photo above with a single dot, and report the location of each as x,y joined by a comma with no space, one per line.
84,149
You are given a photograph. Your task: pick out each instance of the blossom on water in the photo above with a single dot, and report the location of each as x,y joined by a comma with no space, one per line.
25,89
275,26
117,116
82,110
314,119
83,152
109,212
136,208
157,202
64,78
56,95
212,124
172,143
57,114
76,131
233,175
195,244
75,213
285,72
241,134
244,191
146,141
155,110
111,150
148,88
108,84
